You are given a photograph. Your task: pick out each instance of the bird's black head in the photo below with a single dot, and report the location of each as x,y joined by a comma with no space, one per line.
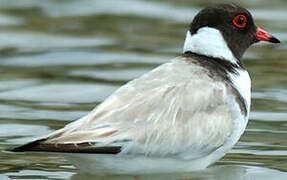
235,24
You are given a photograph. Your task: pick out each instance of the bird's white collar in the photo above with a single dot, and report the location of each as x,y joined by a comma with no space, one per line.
208,41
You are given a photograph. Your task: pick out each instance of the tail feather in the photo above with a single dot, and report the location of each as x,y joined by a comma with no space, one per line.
41,146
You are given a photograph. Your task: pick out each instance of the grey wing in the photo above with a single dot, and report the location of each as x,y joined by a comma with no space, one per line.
173,109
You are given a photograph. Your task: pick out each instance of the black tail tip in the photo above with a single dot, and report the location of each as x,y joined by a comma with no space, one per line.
16,149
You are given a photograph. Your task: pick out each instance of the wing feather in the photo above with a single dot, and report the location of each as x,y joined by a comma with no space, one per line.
174,109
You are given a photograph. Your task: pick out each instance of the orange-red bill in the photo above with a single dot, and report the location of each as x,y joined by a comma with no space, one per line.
262,35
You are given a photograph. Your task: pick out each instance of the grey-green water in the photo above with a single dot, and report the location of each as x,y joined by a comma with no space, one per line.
60,58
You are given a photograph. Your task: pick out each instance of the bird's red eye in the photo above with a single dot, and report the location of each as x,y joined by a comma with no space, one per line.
239,21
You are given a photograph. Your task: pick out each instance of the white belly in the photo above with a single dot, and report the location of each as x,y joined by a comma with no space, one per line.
113,164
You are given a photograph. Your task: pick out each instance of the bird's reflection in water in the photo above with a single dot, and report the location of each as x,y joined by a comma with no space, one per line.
220,172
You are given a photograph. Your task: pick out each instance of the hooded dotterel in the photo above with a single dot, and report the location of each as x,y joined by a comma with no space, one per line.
182,116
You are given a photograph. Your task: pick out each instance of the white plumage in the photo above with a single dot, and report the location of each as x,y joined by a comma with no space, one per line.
208,41
175,114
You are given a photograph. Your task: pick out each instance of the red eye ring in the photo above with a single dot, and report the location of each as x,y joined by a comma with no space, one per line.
239,21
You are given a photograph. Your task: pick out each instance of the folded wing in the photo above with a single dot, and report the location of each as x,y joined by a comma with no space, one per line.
173,110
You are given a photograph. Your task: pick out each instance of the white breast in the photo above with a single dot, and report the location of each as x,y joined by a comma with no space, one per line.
242,83
210,42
